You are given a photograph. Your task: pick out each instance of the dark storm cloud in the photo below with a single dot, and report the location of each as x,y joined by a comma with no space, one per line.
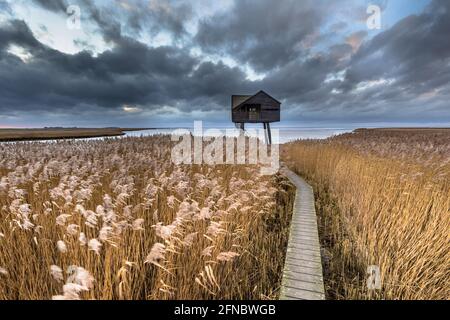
135,15
264,33
52,5
403,72
413,51
415,54
17,32
305,82
165,15
398,66
107,19
131,73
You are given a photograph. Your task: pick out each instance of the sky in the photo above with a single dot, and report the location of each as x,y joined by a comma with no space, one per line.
161,63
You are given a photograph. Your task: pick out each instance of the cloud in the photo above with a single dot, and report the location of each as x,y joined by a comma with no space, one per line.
134,16
413,52
262,33
52,5
322,69
131,109
131,73
4,7
355,39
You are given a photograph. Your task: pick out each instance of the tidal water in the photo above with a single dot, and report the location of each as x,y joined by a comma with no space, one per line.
286,134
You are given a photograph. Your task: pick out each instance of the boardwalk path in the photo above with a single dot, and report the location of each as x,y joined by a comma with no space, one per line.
302,275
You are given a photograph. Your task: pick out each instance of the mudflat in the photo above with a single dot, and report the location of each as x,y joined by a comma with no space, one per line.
60,133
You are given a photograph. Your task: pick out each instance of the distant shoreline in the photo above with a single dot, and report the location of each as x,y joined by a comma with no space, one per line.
56,133
17,135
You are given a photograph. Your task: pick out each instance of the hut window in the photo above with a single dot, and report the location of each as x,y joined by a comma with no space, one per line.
254,107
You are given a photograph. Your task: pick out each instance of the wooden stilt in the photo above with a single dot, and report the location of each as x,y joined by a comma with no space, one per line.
266,139
269,133
240,126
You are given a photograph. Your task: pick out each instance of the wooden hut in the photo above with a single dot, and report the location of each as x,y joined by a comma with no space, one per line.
257,108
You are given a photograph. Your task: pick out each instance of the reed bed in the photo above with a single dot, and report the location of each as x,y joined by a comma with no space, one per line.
383,199
115,219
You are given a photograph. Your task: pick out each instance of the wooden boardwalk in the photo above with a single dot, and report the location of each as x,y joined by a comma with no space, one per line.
302,275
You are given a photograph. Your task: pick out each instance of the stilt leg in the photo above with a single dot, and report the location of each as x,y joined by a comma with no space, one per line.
265,133
241,128
269,133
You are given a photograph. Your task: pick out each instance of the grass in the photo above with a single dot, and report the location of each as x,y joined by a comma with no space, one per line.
383,198
115,219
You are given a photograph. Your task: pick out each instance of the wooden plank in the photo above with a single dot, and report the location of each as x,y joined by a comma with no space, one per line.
299,294
302,274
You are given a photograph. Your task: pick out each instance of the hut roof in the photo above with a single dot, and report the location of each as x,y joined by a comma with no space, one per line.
238,100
